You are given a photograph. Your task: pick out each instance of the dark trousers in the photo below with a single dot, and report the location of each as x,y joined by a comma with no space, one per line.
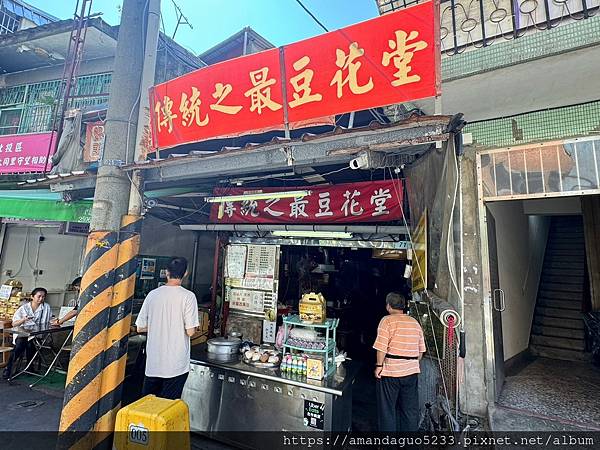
170,388
22,345
398,403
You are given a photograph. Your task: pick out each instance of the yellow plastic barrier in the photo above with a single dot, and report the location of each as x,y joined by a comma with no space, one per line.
153,423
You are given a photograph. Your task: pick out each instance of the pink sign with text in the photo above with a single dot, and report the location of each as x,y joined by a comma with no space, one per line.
22,153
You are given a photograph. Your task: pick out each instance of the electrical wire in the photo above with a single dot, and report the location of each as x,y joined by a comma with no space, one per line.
138,188
170,222
162,26
37,257
31,266
22,255
453,419
312,15
172,51
450,220
197,211
373,112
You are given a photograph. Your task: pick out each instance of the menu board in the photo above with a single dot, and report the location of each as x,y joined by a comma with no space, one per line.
261,261
262,284
251,273
252,301
235,266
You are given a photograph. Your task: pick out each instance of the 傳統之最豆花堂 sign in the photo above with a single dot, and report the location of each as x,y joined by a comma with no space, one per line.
390,59
368,201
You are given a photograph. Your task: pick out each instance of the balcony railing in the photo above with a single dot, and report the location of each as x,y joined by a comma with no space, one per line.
468,24
31,108
8,22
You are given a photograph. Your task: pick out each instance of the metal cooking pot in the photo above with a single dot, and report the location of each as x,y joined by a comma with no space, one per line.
224,346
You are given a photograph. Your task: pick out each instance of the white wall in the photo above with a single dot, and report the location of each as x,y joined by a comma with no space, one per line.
60,258
521,88
521,242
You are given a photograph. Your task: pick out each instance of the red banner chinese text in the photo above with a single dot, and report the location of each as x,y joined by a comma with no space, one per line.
370,201
386,60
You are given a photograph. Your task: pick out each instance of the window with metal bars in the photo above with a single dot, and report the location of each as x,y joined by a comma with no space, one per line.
468,24
8,23
534,171
31,108
17,10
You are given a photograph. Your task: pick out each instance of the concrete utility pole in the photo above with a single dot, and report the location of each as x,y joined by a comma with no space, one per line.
143,129
112,184
97,365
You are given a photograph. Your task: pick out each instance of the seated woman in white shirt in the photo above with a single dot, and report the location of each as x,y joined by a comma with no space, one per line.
34,312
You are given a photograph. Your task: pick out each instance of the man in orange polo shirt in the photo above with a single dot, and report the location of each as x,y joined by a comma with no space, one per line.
400,346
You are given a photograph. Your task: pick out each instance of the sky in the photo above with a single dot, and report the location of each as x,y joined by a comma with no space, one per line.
279,21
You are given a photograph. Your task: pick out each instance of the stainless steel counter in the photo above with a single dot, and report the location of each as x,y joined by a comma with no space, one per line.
232,396
334,384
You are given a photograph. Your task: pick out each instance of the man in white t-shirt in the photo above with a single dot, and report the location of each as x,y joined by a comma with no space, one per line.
169,315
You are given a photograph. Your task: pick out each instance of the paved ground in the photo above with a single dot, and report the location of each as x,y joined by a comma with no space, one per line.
29,409
364,407
38,409
510,419
556,395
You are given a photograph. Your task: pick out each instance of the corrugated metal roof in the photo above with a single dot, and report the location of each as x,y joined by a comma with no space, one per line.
413,121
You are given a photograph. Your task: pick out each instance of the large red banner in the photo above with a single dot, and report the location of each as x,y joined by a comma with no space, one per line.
369,201
390,59
23,153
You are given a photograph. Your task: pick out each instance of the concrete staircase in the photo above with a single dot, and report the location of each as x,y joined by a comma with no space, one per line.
557,330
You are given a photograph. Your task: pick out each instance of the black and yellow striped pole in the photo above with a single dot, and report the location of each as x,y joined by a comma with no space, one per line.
98,358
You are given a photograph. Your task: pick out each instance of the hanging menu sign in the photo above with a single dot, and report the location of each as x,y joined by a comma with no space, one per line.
236,261
251,273
252,301
261,261
262,284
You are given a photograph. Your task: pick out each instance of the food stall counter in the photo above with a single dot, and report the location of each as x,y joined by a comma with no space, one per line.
228,395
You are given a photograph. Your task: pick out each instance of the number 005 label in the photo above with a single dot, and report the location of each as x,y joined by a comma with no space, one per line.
138,434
